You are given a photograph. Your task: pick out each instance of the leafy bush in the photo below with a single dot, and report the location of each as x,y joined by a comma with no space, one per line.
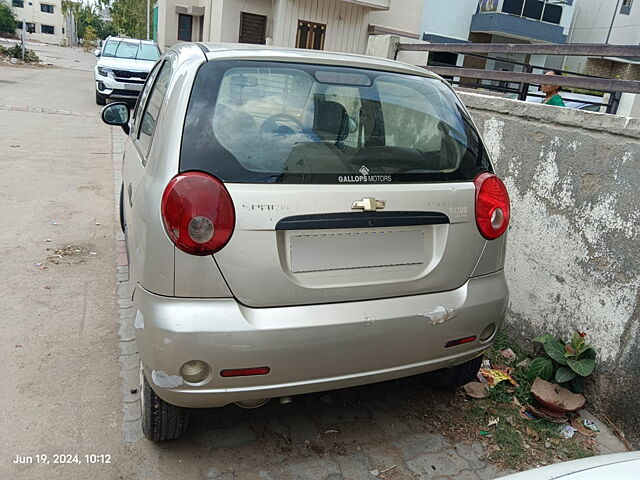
16,52
89,39
567,364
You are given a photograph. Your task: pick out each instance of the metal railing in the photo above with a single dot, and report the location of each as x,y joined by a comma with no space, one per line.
526,78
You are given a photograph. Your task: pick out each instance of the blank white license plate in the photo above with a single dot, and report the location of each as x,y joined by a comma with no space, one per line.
133,86
341,251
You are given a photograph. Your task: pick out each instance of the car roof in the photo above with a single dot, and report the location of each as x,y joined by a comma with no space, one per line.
261,52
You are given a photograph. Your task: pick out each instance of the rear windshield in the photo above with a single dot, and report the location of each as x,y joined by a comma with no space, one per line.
131,50
251,122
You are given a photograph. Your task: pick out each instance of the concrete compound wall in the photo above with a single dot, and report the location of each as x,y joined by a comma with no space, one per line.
573,259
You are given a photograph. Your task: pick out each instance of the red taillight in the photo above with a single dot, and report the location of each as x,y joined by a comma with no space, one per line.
460,341
198,213
493,209
244,372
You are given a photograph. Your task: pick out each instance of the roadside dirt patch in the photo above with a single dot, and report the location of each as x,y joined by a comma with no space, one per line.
70,254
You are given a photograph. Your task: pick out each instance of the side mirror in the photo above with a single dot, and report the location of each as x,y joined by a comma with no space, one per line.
117,114
97,52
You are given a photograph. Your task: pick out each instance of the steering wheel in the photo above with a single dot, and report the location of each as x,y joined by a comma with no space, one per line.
271,126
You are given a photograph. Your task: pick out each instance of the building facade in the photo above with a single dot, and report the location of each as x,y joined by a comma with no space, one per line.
498,21
334,25
614,22
40,20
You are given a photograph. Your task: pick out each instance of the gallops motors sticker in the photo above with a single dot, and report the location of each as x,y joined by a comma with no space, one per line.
365,177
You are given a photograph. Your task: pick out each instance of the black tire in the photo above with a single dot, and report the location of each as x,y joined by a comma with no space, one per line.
100,100
122,221
160,420
454,377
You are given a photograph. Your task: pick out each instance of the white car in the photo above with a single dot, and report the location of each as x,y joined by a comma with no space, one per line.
123,67
619,466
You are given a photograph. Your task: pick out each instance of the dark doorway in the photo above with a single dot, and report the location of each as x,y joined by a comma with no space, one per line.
253,28
185,27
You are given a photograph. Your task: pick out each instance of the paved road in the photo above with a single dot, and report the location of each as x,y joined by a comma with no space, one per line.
69,359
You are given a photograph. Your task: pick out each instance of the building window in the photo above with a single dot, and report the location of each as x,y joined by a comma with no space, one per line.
552,13
185,27
17,3
310,35
625,9
46,8
253,28
31,28
538,10
47,29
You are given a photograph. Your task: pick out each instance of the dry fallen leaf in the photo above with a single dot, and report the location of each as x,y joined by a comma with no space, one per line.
475,390
533,434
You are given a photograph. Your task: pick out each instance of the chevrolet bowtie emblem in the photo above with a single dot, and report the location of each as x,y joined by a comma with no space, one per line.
368,204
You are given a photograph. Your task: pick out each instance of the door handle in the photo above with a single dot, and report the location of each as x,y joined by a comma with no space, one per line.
129,189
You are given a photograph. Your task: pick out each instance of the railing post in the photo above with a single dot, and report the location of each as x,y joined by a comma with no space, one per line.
524,87
614,102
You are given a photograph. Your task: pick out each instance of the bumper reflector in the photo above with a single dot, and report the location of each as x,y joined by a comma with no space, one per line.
245,372
460,341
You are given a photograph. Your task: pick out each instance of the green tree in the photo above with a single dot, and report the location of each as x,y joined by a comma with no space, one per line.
129,17
89,38
107,29
87,17
7,19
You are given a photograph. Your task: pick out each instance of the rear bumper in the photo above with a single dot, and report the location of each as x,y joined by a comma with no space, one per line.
309,348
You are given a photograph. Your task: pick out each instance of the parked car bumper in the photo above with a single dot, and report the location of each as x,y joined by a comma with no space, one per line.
108,87
309,348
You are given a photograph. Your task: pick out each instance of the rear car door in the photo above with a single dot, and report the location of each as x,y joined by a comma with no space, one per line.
137,149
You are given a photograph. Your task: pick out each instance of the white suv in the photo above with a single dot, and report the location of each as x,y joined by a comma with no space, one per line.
123,67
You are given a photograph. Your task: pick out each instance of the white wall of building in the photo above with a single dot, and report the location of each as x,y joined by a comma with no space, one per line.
346,23
31,13
403,16
593,22
229,28
447,18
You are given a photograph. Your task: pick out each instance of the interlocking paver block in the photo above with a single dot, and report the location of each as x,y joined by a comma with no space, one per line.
443,463
416,444
313,469
355,466
472,452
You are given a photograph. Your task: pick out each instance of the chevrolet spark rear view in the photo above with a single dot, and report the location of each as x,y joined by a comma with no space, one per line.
299,221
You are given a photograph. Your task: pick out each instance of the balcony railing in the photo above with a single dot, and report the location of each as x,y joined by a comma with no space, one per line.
478,77
538,10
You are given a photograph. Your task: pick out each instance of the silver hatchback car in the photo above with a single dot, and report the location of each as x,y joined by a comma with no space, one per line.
299,221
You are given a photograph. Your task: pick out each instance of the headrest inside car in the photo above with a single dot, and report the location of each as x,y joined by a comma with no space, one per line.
331,121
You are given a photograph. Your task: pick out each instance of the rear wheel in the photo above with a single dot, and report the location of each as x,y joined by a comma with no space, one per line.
100,100
454,377
160,420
